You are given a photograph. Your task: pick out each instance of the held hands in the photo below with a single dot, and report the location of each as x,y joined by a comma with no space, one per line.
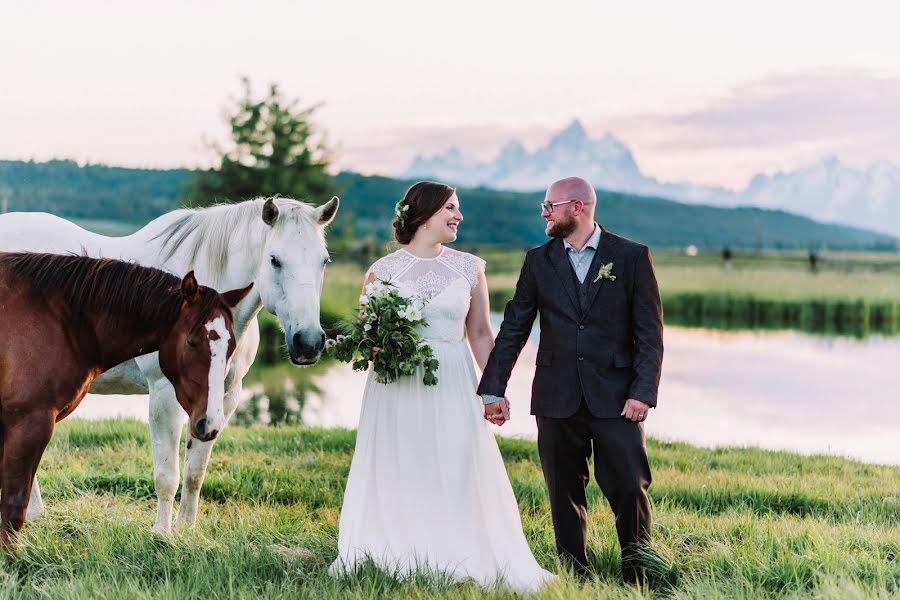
635,410
497,412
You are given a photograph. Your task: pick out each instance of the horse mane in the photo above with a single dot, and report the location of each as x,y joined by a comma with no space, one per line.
120,288
211,230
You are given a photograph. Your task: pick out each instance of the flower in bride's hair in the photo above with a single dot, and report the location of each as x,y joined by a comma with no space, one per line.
400,211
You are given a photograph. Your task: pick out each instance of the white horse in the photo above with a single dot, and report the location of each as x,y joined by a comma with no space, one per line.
276,243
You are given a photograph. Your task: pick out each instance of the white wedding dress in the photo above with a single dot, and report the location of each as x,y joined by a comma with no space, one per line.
427,488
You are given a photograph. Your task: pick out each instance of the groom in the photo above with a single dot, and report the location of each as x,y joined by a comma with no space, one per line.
598,368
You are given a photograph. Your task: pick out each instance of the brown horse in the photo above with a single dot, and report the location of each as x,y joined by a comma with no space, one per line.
66,319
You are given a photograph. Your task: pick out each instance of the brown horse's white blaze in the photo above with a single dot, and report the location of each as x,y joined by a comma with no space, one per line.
218,368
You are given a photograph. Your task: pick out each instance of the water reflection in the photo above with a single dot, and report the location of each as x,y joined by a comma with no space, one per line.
784,390
278,393
281,405
780,390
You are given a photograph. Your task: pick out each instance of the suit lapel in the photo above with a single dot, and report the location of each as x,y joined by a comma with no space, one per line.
605,254
564,270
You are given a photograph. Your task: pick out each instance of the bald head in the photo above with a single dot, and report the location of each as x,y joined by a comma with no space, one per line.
567,219
573,188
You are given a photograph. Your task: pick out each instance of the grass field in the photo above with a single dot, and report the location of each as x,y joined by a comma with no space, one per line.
852,293
731,523
775,276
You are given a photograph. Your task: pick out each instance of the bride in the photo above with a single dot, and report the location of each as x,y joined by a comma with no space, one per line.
427,487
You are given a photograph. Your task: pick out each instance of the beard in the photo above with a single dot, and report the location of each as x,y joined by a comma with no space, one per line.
562,229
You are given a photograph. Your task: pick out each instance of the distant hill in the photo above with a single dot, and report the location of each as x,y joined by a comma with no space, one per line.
513,218
491,217
64,188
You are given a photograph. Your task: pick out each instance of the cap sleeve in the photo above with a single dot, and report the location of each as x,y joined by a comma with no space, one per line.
471,267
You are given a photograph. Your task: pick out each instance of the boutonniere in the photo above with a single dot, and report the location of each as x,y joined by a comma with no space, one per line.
605,272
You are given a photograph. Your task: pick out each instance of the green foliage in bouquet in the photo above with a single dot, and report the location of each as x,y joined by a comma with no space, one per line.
385,334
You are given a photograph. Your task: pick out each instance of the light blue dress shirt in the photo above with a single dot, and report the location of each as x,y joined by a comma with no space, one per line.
581,259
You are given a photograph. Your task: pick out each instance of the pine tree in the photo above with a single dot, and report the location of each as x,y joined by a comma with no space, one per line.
274,150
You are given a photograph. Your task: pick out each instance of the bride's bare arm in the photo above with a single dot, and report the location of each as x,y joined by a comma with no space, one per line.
370,278
478,323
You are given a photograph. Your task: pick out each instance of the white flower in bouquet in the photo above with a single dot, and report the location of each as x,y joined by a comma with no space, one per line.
410,313
377,289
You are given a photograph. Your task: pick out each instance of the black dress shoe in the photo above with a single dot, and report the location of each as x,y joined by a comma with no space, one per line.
634,574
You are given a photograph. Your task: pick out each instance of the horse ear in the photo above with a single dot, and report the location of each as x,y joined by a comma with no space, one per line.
190,289
234,297
326,212
270,212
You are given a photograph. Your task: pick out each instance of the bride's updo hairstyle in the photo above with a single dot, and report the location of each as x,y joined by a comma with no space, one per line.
420,202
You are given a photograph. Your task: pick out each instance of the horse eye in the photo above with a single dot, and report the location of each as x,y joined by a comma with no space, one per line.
192,343
275,262
327,262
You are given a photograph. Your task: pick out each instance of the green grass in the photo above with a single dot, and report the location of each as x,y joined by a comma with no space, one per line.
870,277
852,294
111,228
779,280
730,523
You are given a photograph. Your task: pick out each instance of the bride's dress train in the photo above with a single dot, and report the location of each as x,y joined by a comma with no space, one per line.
427,487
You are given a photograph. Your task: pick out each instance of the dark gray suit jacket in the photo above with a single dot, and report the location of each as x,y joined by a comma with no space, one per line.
606,354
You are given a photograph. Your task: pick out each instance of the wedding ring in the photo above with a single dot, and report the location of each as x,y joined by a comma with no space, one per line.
641,416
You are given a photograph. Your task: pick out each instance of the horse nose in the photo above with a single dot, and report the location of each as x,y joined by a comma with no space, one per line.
306,347
304,351
202,433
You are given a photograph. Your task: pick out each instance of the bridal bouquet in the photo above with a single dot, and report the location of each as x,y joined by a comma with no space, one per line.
384,334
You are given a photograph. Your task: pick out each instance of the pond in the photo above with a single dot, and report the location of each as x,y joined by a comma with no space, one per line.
779,390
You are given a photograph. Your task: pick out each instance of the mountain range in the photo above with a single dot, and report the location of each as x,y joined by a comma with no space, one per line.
827,191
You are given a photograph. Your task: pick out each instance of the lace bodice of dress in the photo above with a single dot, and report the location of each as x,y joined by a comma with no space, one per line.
445,283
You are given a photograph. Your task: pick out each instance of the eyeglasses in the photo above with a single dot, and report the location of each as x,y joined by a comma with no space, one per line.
548,206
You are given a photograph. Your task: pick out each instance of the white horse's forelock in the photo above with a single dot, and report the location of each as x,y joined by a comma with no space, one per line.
208,234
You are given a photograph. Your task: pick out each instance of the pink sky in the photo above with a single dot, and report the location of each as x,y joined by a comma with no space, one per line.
702,91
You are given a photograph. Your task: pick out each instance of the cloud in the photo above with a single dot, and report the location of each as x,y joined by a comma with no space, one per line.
847,108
